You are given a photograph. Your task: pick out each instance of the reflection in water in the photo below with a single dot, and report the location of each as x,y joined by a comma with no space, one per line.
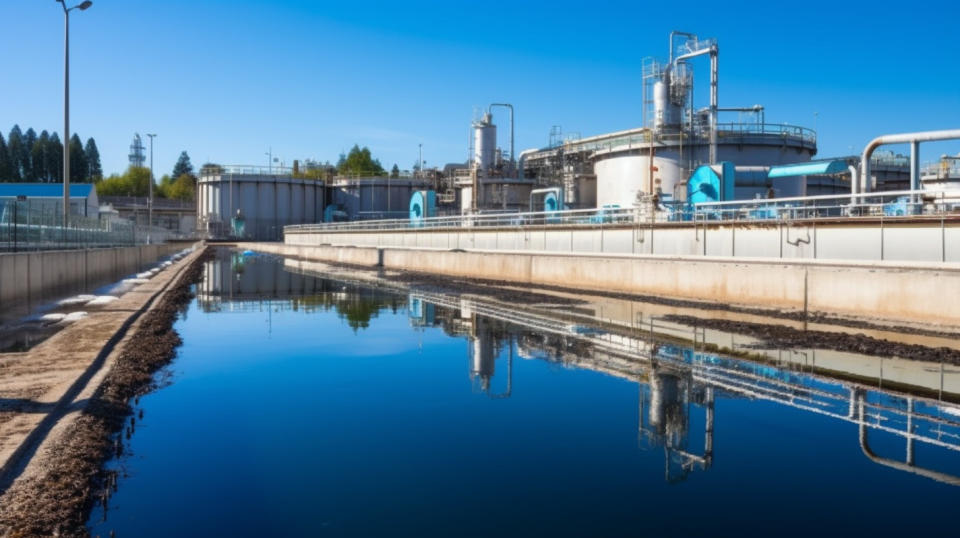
680,378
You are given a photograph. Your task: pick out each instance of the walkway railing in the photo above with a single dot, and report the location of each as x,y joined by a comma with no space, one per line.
883,204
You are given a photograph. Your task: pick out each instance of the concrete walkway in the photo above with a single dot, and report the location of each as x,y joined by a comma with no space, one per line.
45,388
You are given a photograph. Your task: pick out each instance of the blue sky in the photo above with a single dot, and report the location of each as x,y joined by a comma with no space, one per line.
227,80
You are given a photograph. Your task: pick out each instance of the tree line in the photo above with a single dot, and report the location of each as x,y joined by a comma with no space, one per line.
29,157
181,184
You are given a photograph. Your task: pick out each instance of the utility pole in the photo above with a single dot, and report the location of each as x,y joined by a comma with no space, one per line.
421,159
150,191
66,107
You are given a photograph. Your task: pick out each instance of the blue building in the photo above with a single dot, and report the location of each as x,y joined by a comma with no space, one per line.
48,197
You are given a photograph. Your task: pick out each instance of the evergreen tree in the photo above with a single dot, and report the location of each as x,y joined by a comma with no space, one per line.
94,170
26,159
78,161
395,172
15,151
183,166
38,157
55,158
5,168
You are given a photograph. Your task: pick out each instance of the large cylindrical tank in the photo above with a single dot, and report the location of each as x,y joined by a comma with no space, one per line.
623,177
665,113
485,143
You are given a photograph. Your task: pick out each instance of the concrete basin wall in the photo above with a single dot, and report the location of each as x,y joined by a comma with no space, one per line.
893,291
33,276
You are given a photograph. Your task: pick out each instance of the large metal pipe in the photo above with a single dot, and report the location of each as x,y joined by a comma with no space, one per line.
676,33
522,159
913,139
714,74
714,51
507,105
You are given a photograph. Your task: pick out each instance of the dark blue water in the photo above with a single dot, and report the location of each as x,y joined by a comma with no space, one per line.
313,406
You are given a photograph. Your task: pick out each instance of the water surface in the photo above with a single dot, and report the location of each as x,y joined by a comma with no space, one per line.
308,405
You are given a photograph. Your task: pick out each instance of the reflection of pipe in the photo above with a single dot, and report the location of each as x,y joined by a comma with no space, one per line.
509,391
900,466
913,139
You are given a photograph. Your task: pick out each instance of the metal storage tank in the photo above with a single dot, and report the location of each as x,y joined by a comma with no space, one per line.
485,143
267,200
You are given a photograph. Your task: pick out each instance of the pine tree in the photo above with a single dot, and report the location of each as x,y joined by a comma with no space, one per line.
26,158
94,170
5,168
183,166
55,158
395,172
78,161
15,151
38,157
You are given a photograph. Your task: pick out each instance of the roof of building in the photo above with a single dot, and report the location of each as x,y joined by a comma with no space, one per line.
829,166
44,190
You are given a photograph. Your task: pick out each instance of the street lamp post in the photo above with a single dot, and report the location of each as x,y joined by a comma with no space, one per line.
66,105
150,191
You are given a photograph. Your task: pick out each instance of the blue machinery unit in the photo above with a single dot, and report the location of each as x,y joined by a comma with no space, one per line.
552,199
712,183
423,204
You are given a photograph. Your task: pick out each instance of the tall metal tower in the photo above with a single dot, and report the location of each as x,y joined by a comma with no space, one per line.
137,155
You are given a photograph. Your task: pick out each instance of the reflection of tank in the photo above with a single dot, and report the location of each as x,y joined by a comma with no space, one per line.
667,401
484,349
482,354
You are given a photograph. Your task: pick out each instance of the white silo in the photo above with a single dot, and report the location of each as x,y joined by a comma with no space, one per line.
484,144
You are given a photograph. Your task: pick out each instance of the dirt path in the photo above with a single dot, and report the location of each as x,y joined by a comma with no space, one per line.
62,401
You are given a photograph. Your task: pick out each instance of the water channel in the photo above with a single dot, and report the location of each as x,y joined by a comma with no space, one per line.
320,401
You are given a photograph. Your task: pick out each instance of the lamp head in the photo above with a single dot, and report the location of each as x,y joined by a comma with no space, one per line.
85,4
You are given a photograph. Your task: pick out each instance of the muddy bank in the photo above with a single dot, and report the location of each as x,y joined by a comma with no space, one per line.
57,500
779,336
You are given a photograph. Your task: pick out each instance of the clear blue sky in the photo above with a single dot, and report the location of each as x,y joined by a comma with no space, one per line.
226,80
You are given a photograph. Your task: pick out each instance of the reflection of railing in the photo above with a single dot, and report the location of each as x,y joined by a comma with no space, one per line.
879,204
656,347
913,418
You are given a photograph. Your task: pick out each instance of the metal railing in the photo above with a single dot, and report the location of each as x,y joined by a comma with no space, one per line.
700,133
879,204
26,225
876,204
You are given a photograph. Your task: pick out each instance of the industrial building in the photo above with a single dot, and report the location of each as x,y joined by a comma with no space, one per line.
47,198
684,153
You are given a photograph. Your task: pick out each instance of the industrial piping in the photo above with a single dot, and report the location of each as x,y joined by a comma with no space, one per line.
914,140
507,105
714,52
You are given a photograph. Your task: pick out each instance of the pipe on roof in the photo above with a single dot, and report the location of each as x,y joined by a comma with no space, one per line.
913,139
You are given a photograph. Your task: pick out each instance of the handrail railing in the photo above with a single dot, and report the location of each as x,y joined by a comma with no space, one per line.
891,204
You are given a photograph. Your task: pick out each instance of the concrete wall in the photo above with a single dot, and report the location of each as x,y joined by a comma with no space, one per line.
914,293
931,241
38,276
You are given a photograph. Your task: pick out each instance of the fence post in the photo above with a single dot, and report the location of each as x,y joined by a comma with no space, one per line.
15,204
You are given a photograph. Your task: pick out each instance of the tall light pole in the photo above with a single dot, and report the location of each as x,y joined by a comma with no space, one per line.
66,104
421,160
150,191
